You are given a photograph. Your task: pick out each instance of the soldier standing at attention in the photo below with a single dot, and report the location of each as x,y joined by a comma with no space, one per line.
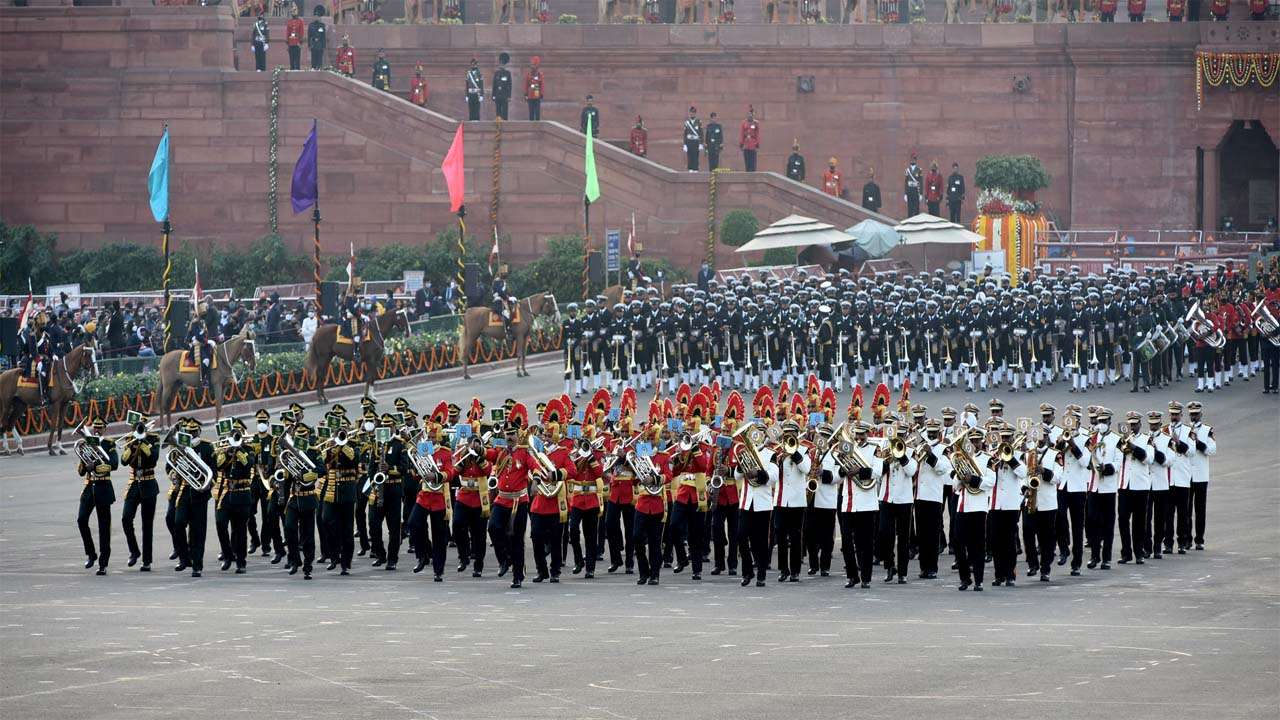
795,162
955,193
475,90
692,138
261,40
317,39
502,86
749,140
589,111
382,72
534,87
346,57
293,31
715,141
832,183
639,144
912,183
418,87
871,192
933,190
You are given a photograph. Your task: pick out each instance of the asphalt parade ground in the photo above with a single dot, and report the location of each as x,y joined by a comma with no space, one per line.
1190,636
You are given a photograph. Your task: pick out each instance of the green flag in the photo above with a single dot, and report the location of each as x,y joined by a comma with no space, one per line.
593,183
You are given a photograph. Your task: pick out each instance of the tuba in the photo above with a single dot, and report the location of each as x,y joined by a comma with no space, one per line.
295,462
845,453
1202,328
187,464
749,460
91,455
963,462
1266,323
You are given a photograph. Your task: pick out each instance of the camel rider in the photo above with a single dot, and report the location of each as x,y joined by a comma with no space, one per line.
502,299
38,349
201,347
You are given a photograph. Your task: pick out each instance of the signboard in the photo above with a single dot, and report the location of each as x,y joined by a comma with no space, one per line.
612,250
413,280
54,295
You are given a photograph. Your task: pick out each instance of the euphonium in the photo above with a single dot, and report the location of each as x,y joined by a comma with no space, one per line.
1266,323
188,465
90,455
749,460
1202,328
963,463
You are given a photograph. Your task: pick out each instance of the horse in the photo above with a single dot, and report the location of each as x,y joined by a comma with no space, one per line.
324,347
62,375
476,324
172,377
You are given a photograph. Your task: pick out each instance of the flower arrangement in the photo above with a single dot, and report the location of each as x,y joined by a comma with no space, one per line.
726,17
451,12
889,18
994,201
544,16
632,19
567,19
653,18
1003,9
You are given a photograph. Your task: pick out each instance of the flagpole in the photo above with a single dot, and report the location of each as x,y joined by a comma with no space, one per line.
460,277
315,259
586,247
166,230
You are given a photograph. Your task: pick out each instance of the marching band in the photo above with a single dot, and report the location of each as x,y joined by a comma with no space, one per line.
698,482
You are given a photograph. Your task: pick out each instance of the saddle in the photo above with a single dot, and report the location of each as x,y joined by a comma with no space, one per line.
495,319
32,382
189,364
344,340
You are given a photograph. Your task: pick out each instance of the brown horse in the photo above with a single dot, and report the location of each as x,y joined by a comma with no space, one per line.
476,324
14,399
171,377
324,347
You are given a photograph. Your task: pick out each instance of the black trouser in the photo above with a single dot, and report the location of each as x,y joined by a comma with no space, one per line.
1270,367
259,57
191,518
648,542
790,539
1004,540
88,506
408,500
535,109
724,533
949,495
619,521
1101,525
317,58
295,57
468,535
1039,533
1071,507
928,533
688,524
500,107
1133,522
437,544
1159,530
238,515
340,520
953,211
170,514
133,499
222,528
935,207
713,159
1135,17
1180,515
858,544
506,530
389,511
753,541
362,521
895,524
1141,370
691,155
749,159
1199,496
545,531
271,534
473,107
819,537
584,524
971,549
913,203
300,536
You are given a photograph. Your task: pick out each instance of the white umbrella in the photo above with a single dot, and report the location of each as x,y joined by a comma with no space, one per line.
925,229
795,231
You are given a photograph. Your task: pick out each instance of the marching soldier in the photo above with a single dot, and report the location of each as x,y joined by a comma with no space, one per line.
140,454
691,465
382,72
235,463
475,90
535,87
795,162
973,498
1042,492
302,493
510,513
1010,474
431,510
1101,509
1134,487
338,501
749,143
693,138
714,142
191,507
651,513
386,467
934,472
97,461
501,88
263,444
1203,446
789,500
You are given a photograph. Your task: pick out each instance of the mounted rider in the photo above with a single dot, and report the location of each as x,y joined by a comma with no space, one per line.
41,342
202,346
355,307
502,301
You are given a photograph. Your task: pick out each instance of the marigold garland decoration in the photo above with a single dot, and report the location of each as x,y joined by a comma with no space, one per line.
1239,69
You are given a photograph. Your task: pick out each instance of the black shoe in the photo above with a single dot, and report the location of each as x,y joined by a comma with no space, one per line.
1158,556
515,585
462,567
133,560
306,574
240,571
345,572
1182,551
503,568
642,580
666,564
93,560
1139,561
1106,566
824,573
1124,561
1063,560
276,560
1044,577
438,578
173,555
391,567
146,567
377,562
1075,572
333,564
418,568
555,579
679,568
696,576
253,546
889,576
577,569
716,571
539,578
963,586
997,583
1092,564
614,568
363,552
813,571
902,580
793,578
759,583
1199,546
782,577
226,565
955,566
293,569
850,583
101,571
1033,570
1008,583
476,574
630,571
592,576
977,587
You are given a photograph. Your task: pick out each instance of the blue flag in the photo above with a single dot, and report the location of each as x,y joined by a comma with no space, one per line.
305,190
158,179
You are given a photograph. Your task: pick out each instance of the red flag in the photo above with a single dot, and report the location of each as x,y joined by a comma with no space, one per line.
452,167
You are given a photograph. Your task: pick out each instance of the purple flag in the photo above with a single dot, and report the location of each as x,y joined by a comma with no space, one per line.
305,190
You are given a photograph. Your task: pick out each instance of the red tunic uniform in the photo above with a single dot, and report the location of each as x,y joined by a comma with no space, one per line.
534,85
1108,6
473,477
418,91
696,462
933,186
621,484
1220,8
655,504
543,505
1137,7
583,494
749,135
1176,8
294,31
346,62
832,183
438,500
639,141
513,483
728,495
1258,7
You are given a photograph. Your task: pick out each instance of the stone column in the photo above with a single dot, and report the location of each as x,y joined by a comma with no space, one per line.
1212,181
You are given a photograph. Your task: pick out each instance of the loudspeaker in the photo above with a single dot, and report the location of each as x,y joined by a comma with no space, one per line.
595,268
329,299
179,323
9,338
473,285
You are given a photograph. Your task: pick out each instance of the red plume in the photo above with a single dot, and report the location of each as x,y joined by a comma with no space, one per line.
763,395
735,408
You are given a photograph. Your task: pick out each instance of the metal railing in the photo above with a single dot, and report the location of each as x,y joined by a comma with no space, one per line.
1095,251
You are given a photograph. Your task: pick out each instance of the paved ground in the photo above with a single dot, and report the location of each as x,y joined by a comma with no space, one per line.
1194,636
